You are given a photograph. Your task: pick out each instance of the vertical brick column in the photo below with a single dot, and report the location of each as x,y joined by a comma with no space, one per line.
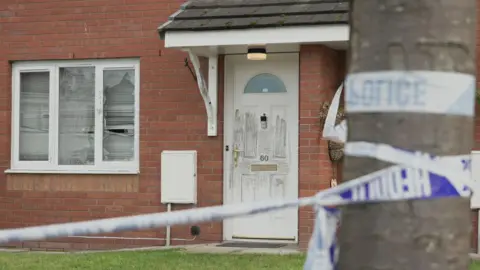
321,72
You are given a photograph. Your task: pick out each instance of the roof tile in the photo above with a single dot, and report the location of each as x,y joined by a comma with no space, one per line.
200,15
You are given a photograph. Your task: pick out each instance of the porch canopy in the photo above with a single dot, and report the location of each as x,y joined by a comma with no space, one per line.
212,27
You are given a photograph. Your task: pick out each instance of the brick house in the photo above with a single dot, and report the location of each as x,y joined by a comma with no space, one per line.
90,97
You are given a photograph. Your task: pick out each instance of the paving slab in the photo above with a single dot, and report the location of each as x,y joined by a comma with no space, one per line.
474,256
214,248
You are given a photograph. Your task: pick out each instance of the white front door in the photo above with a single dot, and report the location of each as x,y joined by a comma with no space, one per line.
262,143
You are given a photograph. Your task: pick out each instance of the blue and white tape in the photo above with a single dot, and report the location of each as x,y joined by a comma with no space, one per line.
322,248
413,175
401,91
419,176
411,91
452,173
354,191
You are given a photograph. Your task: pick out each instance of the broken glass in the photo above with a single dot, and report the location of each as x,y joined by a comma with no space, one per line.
119,115
76,116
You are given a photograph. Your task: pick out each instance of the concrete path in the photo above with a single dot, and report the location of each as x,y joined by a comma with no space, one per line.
213,248
475,256
201,248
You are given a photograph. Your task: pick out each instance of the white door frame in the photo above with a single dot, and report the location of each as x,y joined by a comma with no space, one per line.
475,199
229,105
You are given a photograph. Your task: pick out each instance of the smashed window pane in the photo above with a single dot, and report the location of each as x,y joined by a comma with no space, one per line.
34,116
76,116
119,115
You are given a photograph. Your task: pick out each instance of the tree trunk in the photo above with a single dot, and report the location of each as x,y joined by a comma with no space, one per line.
429,35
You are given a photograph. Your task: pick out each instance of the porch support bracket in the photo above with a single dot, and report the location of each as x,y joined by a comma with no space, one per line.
209,94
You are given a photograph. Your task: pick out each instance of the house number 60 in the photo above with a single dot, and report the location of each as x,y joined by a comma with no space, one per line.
263,158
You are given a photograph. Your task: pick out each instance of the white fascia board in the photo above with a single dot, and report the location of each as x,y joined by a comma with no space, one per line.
282,35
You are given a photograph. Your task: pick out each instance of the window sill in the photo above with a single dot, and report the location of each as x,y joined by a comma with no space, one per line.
25,171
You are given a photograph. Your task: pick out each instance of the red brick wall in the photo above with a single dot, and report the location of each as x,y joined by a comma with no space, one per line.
321,72
172,117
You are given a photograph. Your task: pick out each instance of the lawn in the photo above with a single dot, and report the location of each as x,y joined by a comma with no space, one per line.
146,260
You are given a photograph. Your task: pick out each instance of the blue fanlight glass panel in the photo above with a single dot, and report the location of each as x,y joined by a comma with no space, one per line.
265,83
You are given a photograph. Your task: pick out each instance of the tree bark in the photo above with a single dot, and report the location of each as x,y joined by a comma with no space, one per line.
431,35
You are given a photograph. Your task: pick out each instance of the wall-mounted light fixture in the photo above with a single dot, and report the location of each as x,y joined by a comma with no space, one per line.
257,53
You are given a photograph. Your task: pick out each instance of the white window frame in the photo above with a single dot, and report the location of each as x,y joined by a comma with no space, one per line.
51,166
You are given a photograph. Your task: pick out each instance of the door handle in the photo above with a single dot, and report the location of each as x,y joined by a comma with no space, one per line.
236,154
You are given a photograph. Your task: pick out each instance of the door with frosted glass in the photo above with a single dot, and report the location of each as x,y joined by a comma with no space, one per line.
265,142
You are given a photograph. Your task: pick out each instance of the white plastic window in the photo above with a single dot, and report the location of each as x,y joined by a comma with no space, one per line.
76,116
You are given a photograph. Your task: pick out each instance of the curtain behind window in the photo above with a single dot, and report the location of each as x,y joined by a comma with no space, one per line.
34,116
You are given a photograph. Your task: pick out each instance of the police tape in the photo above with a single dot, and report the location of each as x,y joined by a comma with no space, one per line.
322,248
415,175
399,182
450,167
412,91
335,196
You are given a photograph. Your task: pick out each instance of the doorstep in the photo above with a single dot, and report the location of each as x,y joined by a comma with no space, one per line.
244,248
475,256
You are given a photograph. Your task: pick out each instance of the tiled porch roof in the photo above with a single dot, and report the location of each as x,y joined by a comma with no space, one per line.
201,15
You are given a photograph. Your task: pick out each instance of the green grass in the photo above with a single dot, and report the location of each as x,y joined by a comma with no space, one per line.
146,260
475,266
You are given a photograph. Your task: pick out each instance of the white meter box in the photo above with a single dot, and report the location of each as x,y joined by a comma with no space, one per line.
179,177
